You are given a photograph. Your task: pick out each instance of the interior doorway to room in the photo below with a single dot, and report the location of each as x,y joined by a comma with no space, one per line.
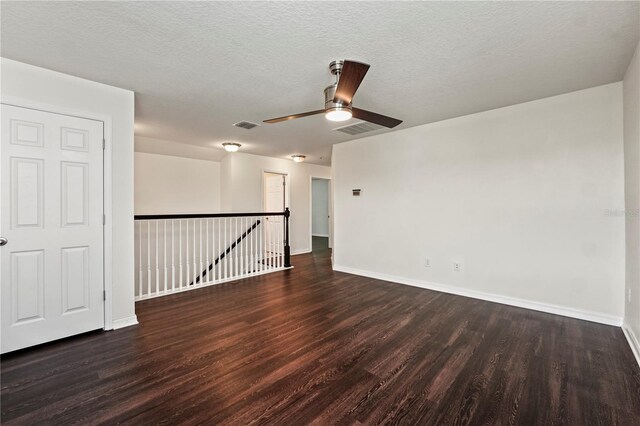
320,214
275,199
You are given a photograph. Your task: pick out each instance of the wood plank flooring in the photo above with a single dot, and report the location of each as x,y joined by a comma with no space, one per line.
310,345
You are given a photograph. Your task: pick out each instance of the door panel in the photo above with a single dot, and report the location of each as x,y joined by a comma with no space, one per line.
75,279
75,190
26,192
51,185
27,286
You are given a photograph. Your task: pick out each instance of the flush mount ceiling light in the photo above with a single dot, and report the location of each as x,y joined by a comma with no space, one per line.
231,146
298,158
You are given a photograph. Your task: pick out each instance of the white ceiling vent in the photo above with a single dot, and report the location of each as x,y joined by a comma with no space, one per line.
356,129
246,125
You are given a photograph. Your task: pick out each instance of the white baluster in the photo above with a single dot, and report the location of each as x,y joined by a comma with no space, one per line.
164,257
200,274
180,250
148,258
224,248
245,245
238,236
216,254
188,280
192,279
156,268
241,248
276,243
208,260
280,245
234,251
173,257
233,229
256,248
265,228
267,262
272,236
261,244
251,246
140,258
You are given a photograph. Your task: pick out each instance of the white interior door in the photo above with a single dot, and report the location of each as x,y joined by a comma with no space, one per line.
274,201
51,187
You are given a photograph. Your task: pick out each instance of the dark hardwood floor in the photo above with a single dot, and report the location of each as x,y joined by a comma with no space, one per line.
319,243
313,345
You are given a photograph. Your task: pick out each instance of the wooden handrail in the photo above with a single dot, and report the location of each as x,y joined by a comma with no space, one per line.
204,215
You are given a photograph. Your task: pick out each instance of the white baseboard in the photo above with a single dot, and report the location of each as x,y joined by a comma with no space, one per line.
633,341
303,251
505,300
320,235
125,322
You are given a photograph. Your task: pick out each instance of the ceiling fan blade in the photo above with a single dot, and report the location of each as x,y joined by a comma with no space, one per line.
375,118
291,117
351,76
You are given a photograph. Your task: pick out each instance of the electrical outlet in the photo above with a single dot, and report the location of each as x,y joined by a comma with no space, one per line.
427,262
457,266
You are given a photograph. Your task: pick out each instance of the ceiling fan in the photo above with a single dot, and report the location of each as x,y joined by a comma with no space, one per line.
338,97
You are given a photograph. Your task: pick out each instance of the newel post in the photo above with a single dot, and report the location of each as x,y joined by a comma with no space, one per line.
287,249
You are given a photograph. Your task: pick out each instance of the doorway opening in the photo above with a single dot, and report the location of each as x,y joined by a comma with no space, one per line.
274,192
275,198
320,214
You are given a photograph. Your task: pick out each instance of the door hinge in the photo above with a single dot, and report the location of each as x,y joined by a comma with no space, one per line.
104,294
104,144
104,219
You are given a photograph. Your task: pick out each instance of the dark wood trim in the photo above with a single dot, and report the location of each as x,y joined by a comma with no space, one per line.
203,215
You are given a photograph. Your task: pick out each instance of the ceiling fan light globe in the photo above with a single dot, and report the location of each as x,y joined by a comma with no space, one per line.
231,146
338,114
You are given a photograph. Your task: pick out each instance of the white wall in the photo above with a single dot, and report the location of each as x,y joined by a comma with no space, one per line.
178,149
632,199
320,207
241,189
226,177
65,93
526,197
173,185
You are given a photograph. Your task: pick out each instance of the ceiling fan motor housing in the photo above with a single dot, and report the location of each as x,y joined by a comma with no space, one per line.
330,91
329,104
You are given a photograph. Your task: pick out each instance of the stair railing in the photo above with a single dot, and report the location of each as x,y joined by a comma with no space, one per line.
179,252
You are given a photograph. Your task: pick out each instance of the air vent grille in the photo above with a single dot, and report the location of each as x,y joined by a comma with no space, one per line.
246,125
356,129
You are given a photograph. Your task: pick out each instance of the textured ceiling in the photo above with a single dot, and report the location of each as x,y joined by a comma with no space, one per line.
199,67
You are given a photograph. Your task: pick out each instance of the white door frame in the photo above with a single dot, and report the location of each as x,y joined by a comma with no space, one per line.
107,159
287,189
329,208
